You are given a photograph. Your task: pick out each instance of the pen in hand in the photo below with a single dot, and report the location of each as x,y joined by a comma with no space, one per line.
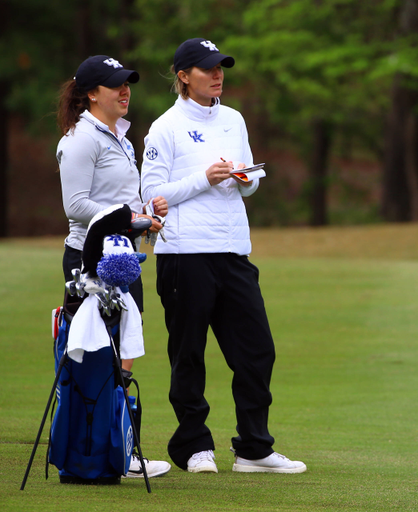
242,177
223,160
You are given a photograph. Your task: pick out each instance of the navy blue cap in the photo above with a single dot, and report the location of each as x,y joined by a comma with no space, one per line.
201,53
103,70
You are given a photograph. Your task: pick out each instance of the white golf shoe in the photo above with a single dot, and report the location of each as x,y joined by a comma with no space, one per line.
202,462
274,463
152,467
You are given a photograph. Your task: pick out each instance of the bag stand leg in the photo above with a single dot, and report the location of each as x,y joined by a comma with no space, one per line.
51,397
125,393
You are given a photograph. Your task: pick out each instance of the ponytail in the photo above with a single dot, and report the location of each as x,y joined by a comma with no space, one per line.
72,102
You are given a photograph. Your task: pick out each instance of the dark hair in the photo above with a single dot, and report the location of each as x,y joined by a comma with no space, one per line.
72,102
178,85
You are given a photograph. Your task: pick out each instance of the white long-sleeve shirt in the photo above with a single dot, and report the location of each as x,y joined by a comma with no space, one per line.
181,145
97,170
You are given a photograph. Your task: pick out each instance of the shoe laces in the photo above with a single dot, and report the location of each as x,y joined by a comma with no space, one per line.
205,455
135,456
281,456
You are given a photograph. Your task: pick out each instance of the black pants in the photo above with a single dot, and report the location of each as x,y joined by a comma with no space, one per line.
221,291
72,259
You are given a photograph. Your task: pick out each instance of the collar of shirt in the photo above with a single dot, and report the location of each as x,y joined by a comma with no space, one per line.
197,112
122,125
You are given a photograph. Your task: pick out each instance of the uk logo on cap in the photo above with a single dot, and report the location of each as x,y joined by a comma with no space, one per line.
112,62
210,46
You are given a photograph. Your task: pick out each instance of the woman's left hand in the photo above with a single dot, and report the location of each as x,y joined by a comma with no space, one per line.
242,183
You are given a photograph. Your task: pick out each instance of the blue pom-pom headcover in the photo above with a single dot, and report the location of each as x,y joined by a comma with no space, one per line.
119,265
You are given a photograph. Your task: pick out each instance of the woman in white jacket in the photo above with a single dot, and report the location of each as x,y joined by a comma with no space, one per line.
204,277
98,168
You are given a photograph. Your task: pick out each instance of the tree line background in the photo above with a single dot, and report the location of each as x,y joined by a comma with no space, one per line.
328,89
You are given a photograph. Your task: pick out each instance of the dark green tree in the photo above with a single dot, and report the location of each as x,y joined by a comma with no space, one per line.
41,44
43,41
317,65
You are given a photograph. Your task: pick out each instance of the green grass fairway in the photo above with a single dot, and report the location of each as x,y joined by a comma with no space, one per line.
343,309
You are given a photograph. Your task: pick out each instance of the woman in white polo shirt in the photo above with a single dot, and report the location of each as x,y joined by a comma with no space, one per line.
204,277
98,167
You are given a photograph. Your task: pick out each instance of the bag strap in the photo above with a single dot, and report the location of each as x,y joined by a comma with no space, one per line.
138,415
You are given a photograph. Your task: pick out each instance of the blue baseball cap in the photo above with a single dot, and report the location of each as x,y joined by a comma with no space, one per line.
103,70
201,53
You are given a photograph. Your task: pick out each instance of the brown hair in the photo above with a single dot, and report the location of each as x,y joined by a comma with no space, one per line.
72,102
178,85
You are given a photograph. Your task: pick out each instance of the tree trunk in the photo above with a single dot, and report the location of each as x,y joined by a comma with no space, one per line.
396,206
400,168
411,162
4,161
4,135
126,44
319,172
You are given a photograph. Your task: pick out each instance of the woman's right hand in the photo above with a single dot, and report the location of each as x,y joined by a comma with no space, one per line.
155,226
219,172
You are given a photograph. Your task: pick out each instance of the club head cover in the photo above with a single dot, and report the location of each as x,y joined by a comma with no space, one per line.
112,220
137,227
119,265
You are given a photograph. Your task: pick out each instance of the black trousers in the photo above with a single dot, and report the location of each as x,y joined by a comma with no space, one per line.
221,291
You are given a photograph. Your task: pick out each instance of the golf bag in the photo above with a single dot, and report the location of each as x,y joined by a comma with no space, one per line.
91,438
94,428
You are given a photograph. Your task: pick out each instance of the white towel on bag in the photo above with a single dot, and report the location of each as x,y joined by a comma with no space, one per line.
88,331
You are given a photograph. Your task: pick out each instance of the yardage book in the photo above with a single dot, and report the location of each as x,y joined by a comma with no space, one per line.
250,173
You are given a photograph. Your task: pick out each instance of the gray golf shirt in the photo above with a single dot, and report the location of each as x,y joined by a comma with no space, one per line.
97,170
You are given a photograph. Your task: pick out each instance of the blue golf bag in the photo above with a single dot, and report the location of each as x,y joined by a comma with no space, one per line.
91,438
94,428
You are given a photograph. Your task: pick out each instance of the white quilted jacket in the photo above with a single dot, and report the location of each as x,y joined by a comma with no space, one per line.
181,145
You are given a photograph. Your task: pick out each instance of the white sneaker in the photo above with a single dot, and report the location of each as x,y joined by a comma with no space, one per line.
274,463
153,468
202,462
